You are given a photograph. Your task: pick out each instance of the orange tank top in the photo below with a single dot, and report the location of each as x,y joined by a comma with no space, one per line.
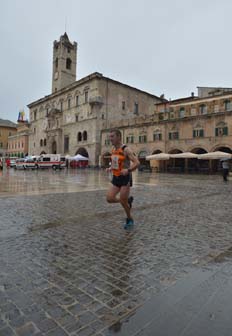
118,160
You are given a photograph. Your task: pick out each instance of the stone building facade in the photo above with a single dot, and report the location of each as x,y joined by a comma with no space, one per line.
78,115
7,128
197,124
18,142
71,119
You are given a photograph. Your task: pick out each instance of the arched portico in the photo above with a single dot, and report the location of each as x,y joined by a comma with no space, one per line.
216,165
157,151
175,165
175,151
80,163
200,166
198,150
82,151
222,148
158,165
142,157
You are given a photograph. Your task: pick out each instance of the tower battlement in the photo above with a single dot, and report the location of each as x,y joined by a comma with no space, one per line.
64,63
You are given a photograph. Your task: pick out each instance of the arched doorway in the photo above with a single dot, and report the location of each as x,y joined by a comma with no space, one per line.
54,147
216,165
158,165
142,157
82,151
80,163
43,152
156,151
144,164
176,165
224,149
196,165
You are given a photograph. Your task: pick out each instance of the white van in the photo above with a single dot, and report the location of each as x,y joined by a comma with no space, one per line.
19,164
55,161
26,163
13,161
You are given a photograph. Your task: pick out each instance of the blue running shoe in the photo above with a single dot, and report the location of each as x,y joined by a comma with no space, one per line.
129,224
130,201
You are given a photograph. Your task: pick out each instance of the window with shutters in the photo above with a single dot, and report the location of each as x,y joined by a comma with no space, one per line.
130,139
182,112
227,105
157,136
198,133
142,138
173,135
221,131
136,108
69,103
203,109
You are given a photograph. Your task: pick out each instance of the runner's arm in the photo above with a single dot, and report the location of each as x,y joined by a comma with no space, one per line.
132,158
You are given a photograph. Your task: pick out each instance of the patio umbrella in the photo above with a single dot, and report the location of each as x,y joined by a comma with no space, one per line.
186,155
214,156
160,156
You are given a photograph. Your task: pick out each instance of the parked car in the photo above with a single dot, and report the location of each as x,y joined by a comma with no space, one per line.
13,161
19,164
29,163
144,168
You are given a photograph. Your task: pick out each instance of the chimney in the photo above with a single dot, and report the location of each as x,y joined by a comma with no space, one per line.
192,94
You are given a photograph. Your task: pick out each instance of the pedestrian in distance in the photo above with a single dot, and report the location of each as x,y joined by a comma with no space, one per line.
123,163
225,169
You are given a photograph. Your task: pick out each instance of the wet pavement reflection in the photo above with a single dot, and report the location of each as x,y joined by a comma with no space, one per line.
69,268
31,182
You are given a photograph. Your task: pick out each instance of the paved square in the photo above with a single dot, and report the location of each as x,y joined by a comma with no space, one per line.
69,268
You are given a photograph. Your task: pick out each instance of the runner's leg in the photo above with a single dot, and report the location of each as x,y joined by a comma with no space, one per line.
112,193
124,194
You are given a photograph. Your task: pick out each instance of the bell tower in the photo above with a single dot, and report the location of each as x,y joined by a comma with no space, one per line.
64,63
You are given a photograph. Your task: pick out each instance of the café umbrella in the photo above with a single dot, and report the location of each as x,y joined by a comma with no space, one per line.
214,156
185,155
160,156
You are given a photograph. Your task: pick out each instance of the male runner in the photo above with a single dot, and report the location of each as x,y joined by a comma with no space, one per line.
121,168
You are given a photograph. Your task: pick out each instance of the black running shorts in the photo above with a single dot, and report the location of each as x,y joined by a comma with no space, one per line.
120,181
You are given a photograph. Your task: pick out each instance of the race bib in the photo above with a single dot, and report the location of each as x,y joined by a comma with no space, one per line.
114,162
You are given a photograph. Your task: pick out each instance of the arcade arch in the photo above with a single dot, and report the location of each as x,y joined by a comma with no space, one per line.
175,165
82,151
142,157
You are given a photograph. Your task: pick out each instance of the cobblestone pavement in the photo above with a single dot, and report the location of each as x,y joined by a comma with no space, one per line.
69,268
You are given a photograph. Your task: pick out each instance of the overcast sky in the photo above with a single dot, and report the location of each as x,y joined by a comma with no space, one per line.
160,46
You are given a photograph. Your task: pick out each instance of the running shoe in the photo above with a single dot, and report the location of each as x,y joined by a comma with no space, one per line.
129,224
130,201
